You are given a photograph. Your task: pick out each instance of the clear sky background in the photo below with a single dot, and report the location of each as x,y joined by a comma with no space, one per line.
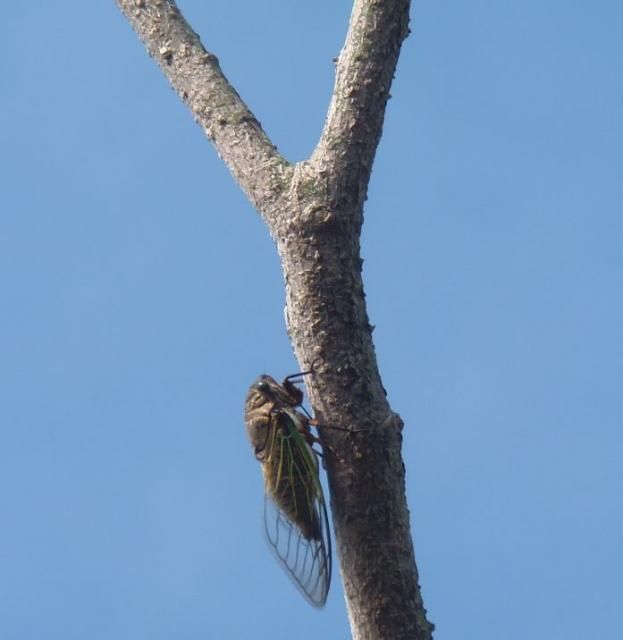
140,295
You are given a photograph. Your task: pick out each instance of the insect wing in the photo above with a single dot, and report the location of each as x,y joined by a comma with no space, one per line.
304,555
307,562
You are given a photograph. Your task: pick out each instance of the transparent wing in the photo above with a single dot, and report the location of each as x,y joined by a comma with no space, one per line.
295,513
306,561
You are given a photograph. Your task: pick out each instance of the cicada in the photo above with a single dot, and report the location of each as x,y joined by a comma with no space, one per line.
295,512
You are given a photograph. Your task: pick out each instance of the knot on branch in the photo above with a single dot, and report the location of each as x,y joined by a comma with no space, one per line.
317,216
393,421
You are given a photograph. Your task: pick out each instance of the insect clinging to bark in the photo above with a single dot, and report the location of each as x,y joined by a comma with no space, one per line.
295,512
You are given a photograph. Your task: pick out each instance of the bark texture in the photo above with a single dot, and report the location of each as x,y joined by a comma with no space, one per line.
314,212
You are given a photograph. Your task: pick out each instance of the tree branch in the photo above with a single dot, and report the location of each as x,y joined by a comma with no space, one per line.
196,76
365,69
314,212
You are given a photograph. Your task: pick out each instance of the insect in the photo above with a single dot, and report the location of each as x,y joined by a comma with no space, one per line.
295,513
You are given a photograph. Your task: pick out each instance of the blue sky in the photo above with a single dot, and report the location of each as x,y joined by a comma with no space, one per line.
140,295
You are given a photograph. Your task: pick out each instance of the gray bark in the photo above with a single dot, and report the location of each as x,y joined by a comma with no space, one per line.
314,212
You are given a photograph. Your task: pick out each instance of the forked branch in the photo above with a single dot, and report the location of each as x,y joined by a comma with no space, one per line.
314,211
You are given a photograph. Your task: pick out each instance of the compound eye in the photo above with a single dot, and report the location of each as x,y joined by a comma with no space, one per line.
262,386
